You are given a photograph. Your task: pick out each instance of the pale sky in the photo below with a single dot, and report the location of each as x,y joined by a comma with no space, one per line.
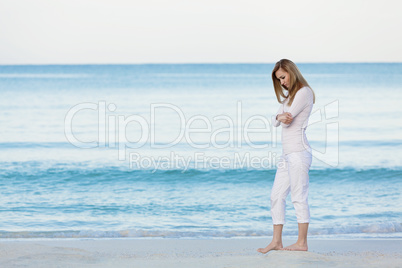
203,31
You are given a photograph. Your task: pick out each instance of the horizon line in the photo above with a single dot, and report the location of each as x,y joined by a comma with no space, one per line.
196,63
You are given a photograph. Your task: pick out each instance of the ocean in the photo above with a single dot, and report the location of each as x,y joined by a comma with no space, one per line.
188,151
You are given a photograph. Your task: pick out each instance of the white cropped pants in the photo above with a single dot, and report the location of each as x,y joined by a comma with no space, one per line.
291,176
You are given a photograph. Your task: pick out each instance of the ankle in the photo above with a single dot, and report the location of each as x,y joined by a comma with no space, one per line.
277,241
302,242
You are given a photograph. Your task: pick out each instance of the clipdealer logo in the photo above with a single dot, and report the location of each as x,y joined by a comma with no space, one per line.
112,133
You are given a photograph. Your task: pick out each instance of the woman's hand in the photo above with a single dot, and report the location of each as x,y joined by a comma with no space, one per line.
285,118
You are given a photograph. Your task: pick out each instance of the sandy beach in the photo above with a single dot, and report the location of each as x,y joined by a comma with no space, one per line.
196,253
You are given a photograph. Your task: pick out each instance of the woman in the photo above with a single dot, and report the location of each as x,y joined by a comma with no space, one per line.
294,164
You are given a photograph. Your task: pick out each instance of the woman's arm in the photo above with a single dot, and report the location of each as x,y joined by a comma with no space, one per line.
286,119
281,118
276,122
303,98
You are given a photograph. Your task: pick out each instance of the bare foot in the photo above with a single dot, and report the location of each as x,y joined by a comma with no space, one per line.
296,247
272,246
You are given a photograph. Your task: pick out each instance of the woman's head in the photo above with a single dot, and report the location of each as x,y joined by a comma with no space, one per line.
286,76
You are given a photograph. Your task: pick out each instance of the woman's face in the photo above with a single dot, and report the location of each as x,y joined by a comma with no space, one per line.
283,77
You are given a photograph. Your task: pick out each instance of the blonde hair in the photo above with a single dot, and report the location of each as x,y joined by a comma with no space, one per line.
296,81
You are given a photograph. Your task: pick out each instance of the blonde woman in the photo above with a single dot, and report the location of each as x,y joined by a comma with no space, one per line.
296,99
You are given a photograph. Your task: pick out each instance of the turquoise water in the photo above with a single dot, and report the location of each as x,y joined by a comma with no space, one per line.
119,168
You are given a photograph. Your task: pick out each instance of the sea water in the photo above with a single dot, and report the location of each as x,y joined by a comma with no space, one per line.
188,150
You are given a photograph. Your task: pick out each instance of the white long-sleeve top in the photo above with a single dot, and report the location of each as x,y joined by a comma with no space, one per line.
293,135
